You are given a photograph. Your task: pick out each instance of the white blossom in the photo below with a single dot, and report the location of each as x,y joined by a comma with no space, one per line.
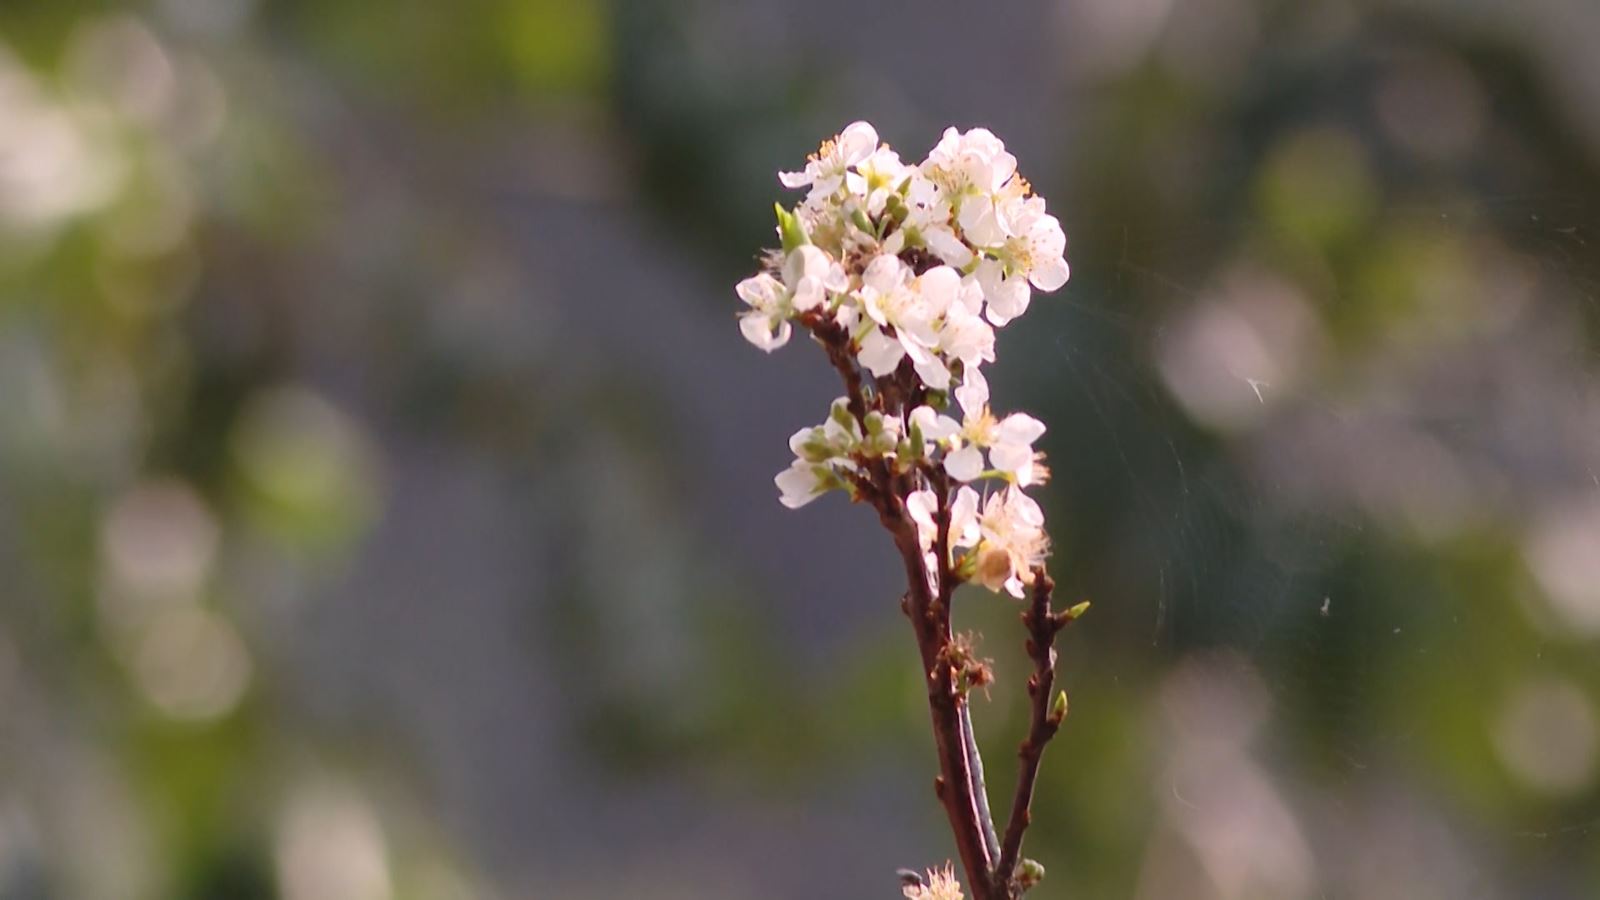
766,323
825,170
1013,541
891,298
876,177
973,161
963,333
808,275
1033,251
1009,441
802,483
923,507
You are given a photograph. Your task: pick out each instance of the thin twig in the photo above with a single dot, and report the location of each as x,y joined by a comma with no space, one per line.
1042,625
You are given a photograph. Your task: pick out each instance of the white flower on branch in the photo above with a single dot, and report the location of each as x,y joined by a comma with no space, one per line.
908,305
1013,542
923,507
826,169
1009,441
1032,251
808,276
824,456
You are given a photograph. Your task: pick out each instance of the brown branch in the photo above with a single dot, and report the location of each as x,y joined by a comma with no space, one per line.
930,620
836,341
947,585
1042,625
959,786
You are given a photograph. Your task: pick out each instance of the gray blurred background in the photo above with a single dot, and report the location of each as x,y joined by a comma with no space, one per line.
385,489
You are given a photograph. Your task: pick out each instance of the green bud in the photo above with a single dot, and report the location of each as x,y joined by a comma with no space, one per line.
1029,873
1058,709
841,413
917,442
790,229
938,400
1078,610
896,208
861,221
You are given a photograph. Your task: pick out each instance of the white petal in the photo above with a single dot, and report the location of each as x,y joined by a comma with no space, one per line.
945,245
933,372
761,291
921,506
797,441
758,330
804,260
1050,274
1001,168
965,464
797,179
884,274
1007,300
808,294
979,223
857,142
964,518
797,485
1023,508
835,279
972,295
973,395
940,286
880,353
1011,457
1045,235
934,426
1020,428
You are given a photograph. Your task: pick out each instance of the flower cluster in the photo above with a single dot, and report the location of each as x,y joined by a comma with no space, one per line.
904,272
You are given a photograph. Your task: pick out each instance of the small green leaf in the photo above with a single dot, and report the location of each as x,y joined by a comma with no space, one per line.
1058,710
790,229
